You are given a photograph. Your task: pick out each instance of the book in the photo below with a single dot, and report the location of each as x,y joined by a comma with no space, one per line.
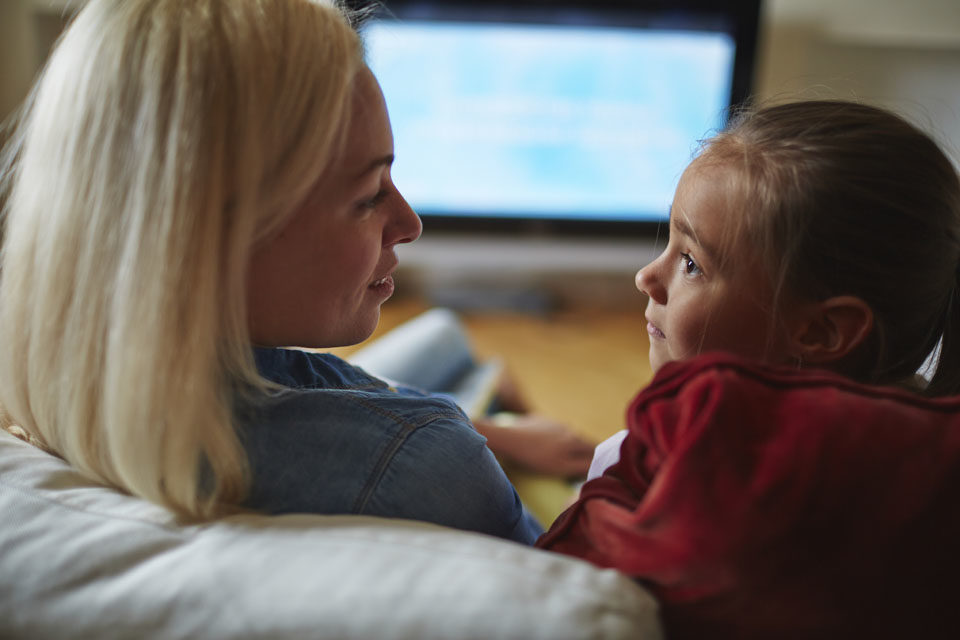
432,352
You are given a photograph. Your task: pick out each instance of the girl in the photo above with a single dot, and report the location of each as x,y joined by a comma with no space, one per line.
193,185
816,234
779,492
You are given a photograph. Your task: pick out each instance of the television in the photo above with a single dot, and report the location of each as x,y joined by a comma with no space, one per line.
547,118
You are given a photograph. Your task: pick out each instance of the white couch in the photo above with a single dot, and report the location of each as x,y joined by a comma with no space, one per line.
78,560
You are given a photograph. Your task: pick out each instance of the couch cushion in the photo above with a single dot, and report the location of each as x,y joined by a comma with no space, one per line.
764,502
78,560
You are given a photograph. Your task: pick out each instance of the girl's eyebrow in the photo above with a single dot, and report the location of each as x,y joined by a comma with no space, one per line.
683,227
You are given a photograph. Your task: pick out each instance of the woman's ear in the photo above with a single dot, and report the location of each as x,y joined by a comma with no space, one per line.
830,329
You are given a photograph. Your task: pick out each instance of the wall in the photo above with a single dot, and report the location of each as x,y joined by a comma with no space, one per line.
901,55
16,56
28,28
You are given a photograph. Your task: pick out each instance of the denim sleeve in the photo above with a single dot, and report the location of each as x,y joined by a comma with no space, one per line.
444,473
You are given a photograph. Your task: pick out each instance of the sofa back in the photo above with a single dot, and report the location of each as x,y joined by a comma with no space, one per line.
79,560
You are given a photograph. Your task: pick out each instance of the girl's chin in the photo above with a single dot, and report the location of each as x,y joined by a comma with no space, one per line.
656,360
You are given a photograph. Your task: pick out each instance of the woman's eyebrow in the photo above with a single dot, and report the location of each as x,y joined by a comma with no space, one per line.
382,161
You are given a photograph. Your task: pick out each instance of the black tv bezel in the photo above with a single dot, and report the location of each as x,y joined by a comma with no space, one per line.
742,15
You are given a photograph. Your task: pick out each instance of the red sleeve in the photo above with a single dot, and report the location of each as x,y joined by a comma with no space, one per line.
775,503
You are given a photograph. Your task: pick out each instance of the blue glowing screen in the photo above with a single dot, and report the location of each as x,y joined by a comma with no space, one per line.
547,121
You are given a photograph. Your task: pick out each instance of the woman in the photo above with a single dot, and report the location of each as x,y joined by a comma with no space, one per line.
191,179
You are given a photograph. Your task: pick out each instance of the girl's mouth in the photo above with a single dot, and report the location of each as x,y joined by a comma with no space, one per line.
654,331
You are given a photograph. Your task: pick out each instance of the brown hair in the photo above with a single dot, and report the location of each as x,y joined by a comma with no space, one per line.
848,199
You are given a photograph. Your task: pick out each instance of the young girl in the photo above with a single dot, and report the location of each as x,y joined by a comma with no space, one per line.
800,487
813,234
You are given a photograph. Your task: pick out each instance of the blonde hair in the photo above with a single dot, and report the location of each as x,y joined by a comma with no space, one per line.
163,140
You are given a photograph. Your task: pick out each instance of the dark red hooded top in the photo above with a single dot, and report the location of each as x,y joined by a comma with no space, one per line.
764,502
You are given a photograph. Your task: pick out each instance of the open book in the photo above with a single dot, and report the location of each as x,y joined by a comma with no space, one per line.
432,352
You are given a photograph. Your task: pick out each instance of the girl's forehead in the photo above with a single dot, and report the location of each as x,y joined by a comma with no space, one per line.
709,208
704,200
711,173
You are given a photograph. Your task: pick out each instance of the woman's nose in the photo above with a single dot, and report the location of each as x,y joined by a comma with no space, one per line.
648,282
406,224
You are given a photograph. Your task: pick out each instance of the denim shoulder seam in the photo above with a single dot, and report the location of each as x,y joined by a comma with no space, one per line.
394,445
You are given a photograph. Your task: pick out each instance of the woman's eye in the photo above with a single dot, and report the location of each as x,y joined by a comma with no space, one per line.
688,265
372,203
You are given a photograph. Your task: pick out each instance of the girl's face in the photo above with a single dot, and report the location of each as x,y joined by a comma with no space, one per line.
321,280
700,300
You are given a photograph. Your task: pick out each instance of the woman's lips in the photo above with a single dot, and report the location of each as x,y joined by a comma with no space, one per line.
384,286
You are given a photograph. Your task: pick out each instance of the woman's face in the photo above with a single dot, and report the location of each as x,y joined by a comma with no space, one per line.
321,280
698,302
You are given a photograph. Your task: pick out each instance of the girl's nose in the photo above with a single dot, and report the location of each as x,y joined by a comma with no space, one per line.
649,283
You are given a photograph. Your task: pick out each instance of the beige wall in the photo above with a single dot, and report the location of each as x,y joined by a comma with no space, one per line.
16,55
27,30
904,55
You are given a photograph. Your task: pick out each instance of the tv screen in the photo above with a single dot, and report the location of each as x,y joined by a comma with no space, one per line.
552,115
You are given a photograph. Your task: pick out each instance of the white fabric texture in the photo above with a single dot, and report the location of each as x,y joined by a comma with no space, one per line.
78,560
606,454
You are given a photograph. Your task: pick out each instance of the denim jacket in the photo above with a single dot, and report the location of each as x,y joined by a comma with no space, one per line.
339,441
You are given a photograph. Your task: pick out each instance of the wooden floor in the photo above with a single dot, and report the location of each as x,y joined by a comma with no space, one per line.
580,366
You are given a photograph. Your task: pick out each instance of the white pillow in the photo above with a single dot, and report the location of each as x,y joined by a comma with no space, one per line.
78,560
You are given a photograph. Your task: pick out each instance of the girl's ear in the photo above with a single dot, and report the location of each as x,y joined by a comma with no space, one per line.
830,329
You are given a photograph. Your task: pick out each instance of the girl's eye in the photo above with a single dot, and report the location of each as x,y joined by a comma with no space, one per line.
689,266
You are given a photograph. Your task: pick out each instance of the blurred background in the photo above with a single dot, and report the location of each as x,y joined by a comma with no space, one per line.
902,55
561,308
